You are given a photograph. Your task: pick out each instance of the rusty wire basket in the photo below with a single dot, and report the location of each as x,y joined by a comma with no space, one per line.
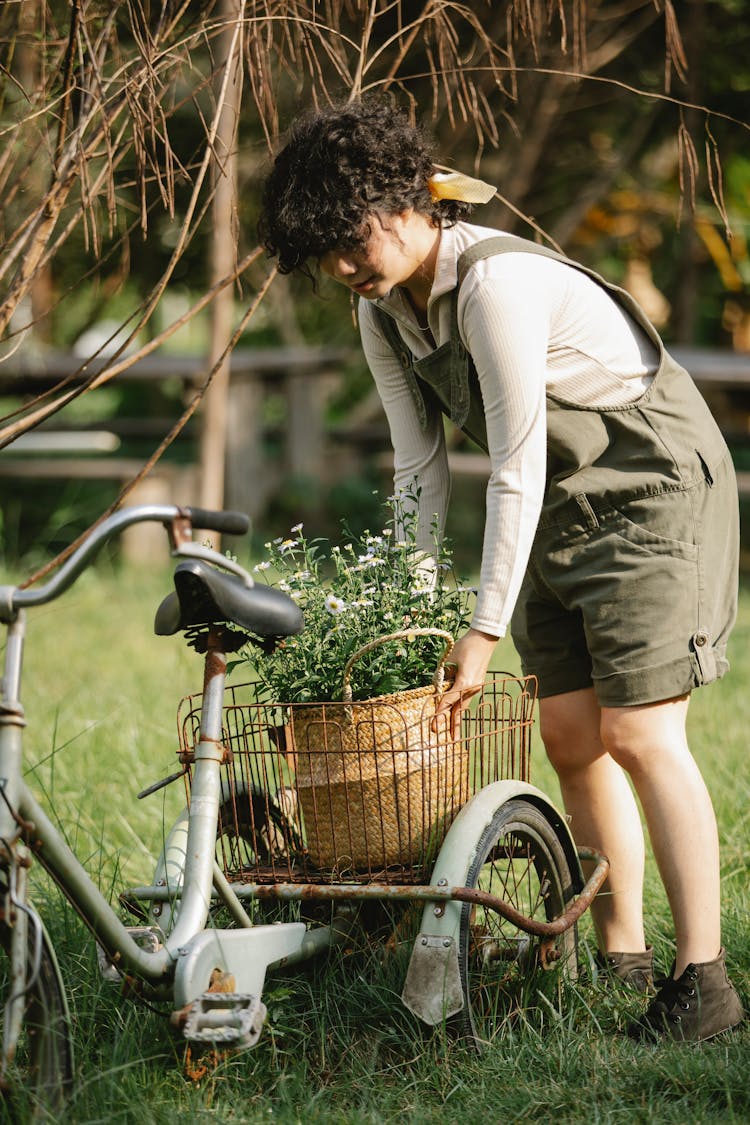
365,792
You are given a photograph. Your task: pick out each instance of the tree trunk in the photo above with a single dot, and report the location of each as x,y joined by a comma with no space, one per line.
223,253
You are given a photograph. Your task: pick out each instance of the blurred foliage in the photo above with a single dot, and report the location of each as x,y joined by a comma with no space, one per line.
586,117
617,130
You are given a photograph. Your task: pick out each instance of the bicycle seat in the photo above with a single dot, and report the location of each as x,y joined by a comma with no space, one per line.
206,596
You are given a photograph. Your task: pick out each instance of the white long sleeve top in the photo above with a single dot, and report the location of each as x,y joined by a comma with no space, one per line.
531,325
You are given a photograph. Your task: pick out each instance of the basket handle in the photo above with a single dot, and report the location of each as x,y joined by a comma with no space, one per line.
404,634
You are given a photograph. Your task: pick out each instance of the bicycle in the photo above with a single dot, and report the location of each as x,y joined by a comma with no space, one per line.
504,894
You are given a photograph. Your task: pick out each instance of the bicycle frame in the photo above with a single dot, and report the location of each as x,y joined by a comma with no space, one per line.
56,857
22,816
198,882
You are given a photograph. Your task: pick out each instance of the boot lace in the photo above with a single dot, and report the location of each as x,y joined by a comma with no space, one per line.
672,998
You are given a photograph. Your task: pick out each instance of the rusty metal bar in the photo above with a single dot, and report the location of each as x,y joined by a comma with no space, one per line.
341,892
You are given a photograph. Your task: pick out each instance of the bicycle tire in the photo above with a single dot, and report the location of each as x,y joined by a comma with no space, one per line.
246,839
520,859
41,1074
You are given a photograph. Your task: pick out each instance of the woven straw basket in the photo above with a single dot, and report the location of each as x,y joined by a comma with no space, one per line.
378,787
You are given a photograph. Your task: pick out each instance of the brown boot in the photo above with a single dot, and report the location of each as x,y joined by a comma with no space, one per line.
699,1004
636,970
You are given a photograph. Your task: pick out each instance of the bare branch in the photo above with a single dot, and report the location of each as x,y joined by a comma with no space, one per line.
169,438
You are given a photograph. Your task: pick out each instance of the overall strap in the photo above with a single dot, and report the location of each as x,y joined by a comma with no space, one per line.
503,244
460,395
393,337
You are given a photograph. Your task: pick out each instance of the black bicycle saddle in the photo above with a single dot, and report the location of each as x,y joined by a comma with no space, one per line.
206,596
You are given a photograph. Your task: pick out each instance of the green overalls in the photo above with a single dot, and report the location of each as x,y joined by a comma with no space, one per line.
632,578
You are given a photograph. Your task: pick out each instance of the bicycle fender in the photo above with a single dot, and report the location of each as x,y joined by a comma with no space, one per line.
432,988
170,871
170,867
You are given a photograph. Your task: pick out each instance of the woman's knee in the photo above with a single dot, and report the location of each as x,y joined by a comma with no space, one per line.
632,736
569,726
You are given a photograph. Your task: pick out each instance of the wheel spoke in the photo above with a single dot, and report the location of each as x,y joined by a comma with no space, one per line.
520,860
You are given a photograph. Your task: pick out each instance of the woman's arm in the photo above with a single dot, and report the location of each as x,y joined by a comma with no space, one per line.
505,324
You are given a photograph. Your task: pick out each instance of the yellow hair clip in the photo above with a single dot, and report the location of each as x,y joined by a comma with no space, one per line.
455,185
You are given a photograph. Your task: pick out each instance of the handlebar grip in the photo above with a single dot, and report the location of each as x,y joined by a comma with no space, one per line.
229,523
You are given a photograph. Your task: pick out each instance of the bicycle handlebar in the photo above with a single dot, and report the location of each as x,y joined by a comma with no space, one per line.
229,523
12,599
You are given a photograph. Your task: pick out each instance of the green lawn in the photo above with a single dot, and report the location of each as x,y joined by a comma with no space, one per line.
101,695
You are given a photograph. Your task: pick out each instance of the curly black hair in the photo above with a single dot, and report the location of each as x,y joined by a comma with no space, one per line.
338,168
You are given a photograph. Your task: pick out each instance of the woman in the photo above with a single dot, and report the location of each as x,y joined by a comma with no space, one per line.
611,532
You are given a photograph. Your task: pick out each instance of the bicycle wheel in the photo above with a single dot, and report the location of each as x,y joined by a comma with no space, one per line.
520,860
258,832
41,1072
256,829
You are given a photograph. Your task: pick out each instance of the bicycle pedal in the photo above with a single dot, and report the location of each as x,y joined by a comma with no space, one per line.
229,1019
144,936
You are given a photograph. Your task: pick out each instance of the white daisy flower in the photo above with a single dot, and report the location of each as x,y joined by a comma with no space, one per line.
334,605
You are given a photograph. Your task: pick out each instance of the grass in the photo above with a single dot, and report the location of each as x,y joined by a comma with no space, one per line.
339,1047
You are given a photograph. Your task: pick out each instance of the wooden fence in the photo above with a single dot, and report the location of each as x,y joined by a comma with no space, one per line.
300,382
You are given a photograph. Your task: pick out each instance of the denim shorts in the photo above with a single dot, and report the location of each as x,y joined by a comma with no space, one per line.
636,599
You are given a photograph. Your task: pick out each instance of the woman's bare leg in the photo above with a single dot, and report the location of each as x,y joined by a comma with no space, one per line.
650,742
603,813
590,748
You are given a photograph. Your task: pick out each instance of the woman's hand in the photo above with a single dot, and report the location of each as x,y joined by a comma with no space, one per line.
470,656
